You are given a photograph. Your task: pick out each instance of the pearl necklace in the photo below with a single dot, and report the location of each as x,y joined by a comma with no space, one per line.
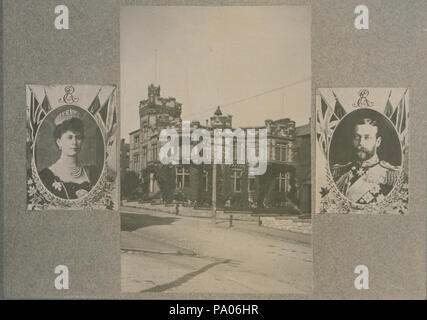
76,172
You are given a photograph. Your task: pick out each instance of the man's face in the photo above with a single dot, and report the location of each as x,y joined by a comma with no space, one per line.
365,141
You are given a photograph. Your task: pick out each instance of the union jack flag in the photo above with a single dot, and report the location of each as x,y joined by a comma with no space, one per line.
400,119
326,121
36,112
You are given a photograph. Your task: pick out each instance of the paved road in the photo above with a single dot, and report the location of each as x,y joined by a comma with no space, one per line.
172,254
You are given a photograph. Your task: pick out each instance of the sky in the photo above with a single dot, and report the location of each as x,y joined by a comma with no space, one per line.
214,56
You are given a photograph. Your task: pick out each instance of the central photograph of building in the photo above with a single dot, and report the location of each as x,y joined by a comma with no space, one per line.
285,185
198,220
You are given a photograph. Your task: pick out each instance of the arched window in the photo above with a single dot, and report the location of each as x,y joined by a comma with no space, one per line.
182,177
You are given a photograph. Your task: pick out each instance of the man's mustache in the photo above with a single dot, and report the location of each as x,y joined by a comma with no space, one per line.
362,149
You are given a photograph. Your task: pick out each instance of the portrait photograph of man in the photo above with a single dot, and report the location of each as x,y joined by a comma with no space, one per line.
362,150
371,140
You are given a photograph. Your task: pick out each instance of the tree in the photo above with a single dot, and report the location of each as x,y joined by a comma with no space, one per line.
165,177
130,185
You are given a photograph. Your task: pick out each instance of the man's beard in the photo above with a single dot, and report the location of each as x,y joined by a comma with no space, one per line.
364,154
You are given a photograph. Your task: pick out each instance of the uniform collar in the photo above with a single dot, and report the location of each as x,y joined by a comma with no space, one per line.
370,162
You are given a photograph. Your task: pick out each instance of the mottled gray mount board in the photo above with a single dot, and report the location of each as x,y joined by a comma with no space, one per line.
1,154
86,241
392,53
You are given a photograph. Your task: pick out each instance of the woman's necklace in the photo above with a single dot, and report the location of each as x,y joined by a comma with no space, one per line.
76,172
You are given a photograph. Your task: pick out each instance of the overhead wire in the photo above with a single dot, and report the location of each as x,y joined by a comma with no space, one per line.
251,97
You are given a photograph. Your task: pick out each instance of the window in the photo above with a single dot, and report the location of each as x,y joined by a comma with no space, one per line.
251,183
136,139
237,179
144,154
250,149
205,180
277,152
182,177
136,162
282,182
289,157
154,152
234,150
186,179
282,152
152,120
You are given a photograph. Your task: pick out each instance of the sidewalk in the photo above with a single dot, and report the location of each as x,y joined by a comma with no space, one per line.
287,227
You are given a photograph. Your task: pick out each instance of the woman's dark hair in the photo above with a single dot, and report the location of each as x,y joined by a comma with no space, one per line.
73,124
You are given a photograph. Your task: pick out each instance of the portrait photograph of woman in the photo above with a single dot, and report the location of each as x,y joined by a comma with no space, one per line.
69,177
71,147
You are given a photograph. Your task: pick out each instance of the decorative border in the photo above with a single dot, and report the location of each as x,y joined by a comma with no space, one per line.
104,195
396,200
331,199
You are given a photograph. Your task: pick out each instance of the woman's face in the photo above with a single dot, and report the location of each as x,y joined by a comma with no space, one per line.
70,143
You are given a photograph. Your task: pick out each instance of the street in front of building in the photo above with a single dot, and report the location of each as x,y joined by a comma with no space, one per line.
166,253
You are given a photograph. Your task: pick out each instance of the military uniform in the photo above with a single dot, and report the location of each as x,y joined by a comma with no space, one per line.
366,182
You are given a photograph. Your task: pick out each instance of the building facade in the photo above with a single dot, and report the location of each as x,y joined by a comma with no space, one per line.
124,157
284,186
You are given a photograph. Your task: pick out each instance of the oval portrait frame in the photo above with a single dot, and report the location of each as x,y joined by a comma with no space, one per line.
347,204
96,190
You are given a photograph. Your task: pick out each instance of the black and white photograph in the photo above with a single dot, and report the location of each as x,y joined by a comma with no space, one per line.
362,137
201,228
71,147
236,154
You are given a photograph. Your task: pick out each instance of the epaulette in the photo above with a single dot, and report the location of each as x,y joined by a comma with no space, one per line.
338,166
340,169
387,165
392,175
